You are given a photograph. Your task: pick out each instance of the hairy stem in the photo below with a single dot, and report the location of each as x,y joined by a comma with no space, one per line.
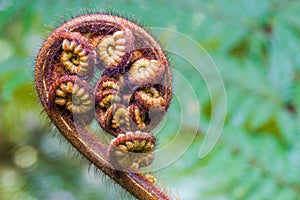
78,136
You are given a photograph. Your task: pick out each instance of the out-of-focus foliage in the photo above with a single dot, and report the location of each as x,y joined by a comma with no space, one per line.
256,46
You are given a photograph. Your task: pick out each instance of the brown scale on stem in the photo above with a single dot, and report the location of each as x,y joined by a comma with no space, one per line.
136,78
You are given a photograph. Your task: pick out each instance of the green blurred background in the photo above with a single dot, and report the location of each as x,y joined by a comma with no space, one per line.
256,46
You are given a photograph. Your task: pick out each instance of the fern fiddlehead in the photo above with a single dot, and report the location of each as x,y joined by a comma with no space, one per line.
128,100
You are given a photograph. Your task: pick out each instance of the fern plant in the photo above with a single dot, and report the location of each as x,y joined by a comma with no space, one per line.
255,45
